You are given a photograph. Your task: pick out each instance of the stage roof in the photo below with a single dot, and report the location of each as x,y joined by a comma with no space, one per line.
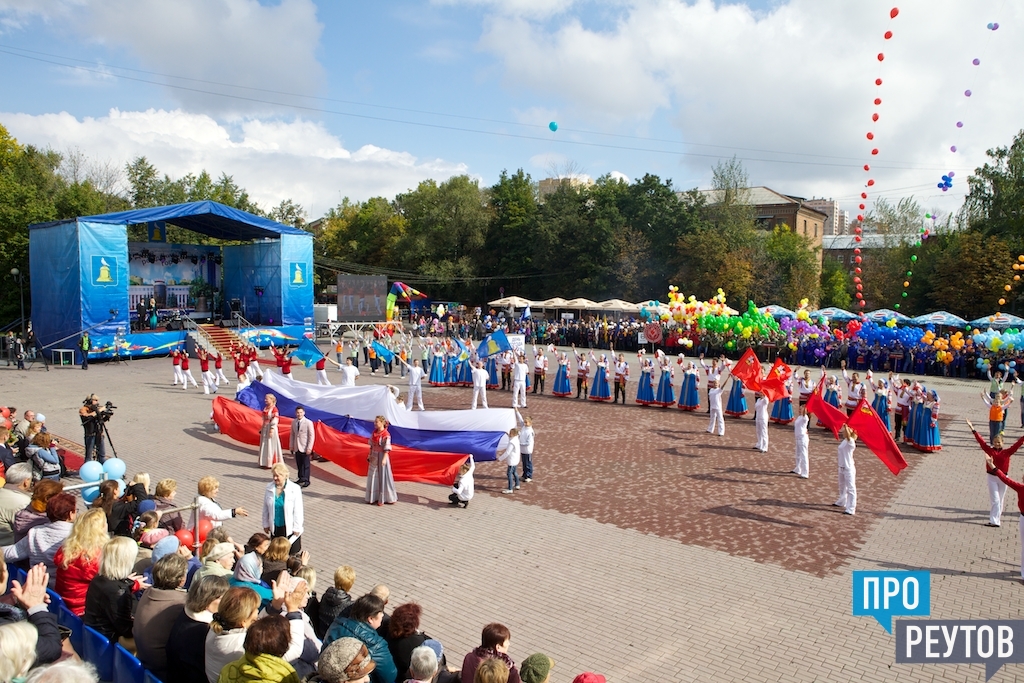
208,218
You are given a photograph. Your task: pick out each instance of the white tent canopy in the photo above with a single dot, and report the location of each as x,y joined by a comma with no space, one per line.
556,302
617,305
580,303
513,301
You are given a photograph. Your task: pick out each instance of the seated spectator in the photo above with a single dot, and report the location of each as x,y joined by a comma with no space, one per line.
208,508
14,497
34,513
219,560
44,457
422,664
25,439
491,671
275,560
7,458
404,635
265,644
170,546
346,660
364,619
290,596
237,611
312,608
166,489
186,643
384,593
536,668
30,597
336,599
147,530
18,643
494,642
157,611
109,601
120,510
249,569
28,418
78,559
43,541
64,671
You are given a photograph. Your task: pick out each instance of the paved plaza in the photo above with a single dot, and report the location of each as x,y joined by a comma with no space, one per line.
645,549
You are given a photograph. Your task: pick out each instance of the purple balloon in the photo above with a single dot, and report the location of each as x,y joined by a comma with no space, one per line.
959,124
953,148
995,26
967,93
951,174
976,62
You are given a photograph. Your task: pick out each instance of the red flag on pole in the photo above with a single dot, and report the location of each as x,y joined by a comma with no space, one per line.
748,370
774,385
827,414
873,433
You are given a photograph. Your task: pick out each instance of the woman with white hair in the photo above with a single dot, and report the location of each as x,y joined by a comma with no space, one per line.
282,508
109,601
18,645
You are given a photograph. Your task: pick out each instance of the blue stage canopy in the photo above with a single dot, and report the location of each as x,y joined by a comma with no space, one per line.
208,218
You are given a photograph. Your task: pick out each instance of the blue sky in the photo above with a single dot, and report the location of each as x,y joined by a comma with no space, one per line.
662,86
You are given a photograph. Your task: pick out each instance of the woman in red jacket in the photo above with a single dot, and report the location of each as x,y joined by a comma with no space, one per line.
78,559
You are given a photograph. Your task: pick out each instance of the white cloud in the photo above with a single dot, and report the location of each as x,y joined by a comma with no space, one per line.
272,159
537,9
797,79
618,175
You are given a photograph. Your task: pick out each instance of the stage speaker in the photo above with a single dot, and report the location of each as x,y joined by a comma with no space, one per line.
236,305
173,325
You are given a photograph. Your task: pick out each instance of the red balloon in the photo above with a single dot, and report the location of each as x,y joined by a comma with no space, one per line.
863,195
857,238
860,216
860,287
857,270
871,136
856,250
888,35
874,152
881,56
893,12
857,280
860,206
205,527
857,230
5,412
878,101
862,303
857,259
185,537
874,117
878,81
859,295
870,183
866,168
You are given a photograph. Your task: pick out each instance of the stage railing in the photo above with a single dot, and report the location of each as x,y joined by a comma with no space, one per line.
190,326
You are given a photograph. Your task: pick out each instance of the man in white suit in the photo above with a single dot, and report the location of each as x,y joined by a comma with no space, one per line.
301,444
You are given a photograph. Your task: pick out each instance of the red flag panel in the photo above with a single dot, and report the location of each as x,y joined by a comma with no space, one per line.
873,434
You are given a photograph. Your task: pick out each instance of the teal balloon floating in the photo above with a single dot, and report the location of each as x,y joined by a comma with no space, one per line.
553,126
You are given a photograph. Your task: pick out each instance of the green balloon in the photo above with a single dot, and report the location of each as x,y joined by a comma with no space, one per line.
897,306
904,295
913,258
909,273
917,244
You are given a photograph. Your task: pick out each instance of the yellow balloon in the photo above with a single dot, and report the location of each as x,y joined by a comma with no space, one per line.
1002,302
906,283
1007,288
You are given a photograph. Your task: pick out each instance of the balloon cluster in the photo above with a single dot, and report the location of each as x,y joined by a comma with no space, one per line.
993,26
686,311
1008,287
93,471
875,116
947,182
994,340
800,330
752,326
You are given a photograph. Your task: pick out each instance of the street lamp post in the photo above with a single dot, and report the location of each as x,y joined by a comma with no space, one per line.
16,274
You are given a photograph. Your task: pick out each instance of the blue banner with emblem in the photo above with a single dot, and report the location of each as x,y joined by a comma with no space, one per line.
103,253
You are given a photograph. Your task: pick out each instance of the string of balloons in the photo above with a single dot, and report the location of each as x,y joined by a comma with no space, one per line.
858,231
1018,265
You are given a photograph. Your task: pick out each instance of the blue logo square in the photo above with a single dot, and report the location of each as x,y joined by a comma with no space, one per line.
104,271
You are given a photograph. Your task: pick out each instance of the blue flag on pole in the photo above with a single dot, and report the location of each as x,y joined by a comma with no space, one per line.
383,352
307,353
494,343
463,351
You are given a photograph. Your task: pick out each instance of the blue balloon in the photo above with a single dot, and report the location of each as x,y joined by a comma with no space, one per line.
91,471
115,468
553,126
90,493
1002,367
121,486
1013,363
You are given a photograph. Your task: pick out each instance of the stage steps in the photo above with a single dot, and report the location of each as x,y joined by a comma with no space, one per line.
222,338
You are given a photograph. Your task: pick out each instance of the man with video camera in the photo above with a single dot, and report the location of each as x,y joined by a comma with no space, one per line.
94,419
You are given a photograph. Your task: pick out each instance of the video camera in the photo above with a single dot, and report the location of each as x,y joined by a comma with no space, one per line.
101,414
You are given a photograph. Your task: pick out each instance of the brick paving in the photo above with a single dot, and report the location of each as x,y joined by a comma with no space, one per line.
646,549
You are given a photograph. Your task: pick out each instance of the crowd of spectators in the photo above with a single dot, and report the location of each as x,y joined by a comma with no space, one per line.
224,611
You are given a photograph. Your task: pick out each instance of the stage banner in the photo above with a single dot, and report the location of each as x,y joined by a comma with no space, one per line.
136,345
56,282
296,279
103,252
262,337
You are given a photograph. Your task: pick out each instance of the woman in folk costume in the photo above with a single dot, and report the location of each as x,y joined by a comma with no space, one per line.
881,400
465,367
912,433
600,390
451,371
832,394
689,398
380,482
437,365
561,386
645,388
782,409
737,406
666,395
930,441
270,442
492,373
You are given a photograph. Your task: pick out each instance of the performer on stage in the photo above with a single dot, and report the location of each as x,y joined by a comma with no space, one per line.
666,395
415,374
855,389
600,392
737,406
714,372
507,361
761,421
806,386
716,421
186,374
847,471
645,388
561,386
782,409
801,468
218,364
253,364
689,396
321,371
270,442
901,416
881,400
479,385
176,360
492,373
464,367
930,440
582,374
209,381
520,372
380,482
1001,458
912,433
437,367
832,394
621,377
540,369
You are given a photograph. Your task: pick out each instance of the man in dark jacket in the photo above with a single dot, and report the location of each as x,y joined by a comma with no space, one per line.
362,623
28,603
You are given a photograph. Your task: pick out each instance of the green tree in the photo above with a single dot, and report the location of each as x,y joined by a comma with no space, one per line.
970,272
512,239
795,261
835,285
995,201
